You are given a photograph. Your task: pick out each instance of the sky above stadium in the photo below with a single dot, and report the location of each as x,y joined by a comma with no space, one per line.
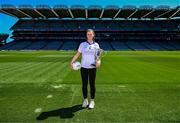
6,22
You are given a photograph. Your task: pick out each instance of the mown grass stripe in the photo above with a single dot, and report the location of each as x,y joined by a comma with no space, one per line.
20,74
19,69
58,73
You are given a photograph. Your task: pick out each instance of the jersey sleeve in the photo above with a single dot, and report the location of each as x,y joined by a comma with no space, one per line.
97,46
80,48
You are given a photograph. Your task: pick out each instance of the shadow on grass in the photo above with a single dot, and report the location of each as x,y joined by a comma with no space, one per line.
62,113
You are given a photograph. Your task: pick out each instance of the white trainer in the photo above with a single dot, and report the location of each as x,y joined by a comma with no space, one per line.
92,104
85,103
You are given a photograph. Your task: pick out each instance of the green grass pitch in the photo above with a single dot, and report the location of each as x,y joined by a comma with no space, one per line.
131,86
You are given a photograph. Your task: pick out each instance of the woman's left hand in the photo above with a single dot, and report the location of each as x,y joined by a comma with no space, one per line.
98,63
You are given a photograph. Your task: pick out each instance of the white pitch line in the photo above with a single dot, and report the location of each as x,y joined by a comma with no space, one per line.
57,86
38,110
121,86
49,96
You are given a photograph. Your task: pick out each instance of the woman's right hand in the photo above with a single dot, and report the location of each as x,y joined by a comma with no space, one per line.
74,59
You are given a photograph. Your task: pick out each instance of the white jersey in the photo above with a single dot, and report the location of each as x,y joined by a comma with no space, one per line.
88,54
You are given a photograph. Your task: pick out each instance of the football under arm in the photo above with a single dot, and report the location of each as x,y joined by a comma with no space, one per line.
76,56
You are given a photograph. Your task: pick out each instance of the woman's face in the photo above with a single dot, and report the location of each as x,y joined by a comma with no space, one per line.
90,35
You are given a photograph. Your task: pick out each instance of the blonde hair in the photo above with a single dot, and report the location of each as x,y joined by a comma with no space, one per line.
91,30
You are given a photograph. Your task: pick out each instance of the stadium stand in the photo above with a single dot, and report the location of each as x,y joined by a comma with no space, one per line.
19,45
3,38
53,45
36,45
63,28
119,45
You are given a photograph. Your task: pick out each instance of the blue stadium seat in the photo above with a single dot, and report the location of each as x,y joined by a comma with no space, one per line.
53,45
135,45
5,47
105,45
152,45
119,45
20,45
70,45
36,45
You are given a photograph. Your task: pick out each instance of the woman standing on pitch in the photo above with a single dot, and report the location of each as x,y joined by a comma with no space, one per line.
89,63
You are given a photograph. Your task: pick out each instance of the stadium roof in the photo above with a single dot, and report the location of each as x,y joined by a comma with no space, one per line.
93,11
